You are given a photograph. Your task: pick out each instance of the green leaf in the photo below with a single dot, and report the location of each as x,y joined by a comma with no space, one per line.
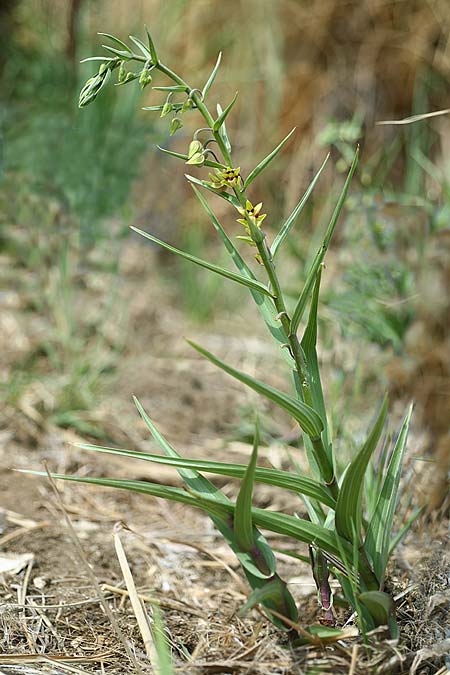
262,165
309,346
117,42
117,52
172,87
265,305
202,487
282,479
221,119
273,595
307,418
230,198
212,77
185,158
381,609
286,228
245,533
98,58
223,130
251,283
151,47
140,45
176,107
379,531
310,279
348,516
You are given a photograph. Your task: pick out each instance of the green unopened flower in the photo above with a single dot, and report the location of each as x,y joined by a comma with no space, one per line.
167,108
175,124
225,177
122,73
187,105
94,85
195,153
145,78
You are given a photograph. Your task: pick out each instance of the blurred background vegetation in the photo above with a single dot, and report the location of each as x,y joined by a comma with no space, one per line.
76,290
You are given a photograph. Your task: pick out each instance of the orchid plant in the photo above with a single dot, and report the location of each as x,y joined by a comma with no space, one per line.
348,529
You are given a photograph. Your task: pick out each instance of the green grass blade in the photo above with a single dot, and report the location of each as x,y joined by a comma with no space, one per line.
307,418
310,279
222,117
141,46
379,531
165,665
348,516
244,281
116,40
405,529
212,77
287,226
283,479
262,165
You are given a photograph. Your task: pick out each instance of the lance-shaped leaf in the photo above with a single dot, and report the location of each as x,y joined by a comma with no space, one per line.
307,418
99,58
230,198
309,346
273,595
222,117
251,283
201,487
118,52
118,42
286,227
348,516
176,107
276,477
212,77
185,158
244,532
141,46
151,47
303,299
262,165
379,531
223,130
381,608
171,87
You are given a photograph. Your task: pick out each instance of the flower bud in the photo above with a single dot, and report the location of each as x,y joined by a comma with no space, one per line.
175,124
187,105
167,108
194,148
122,73
145,78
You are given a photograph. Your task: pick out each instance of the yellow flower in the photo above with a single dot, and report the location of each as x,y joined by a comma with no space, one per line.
225,177
252,213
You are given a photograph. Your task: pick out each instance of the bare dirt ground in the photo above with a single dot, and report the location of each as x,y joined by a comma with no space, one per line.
51,617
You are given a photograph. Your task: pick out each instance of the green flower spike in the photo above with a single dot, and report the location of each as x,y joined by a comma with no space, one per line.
225,178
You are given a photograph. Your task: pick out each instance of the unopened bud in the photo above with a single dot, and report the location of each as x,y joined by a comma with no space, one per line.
194,148
145,78
187,105
175,124
122,73
167,108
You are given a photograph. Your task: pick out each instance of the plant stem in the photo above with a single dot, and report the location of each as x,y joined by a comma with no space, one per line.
324,462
